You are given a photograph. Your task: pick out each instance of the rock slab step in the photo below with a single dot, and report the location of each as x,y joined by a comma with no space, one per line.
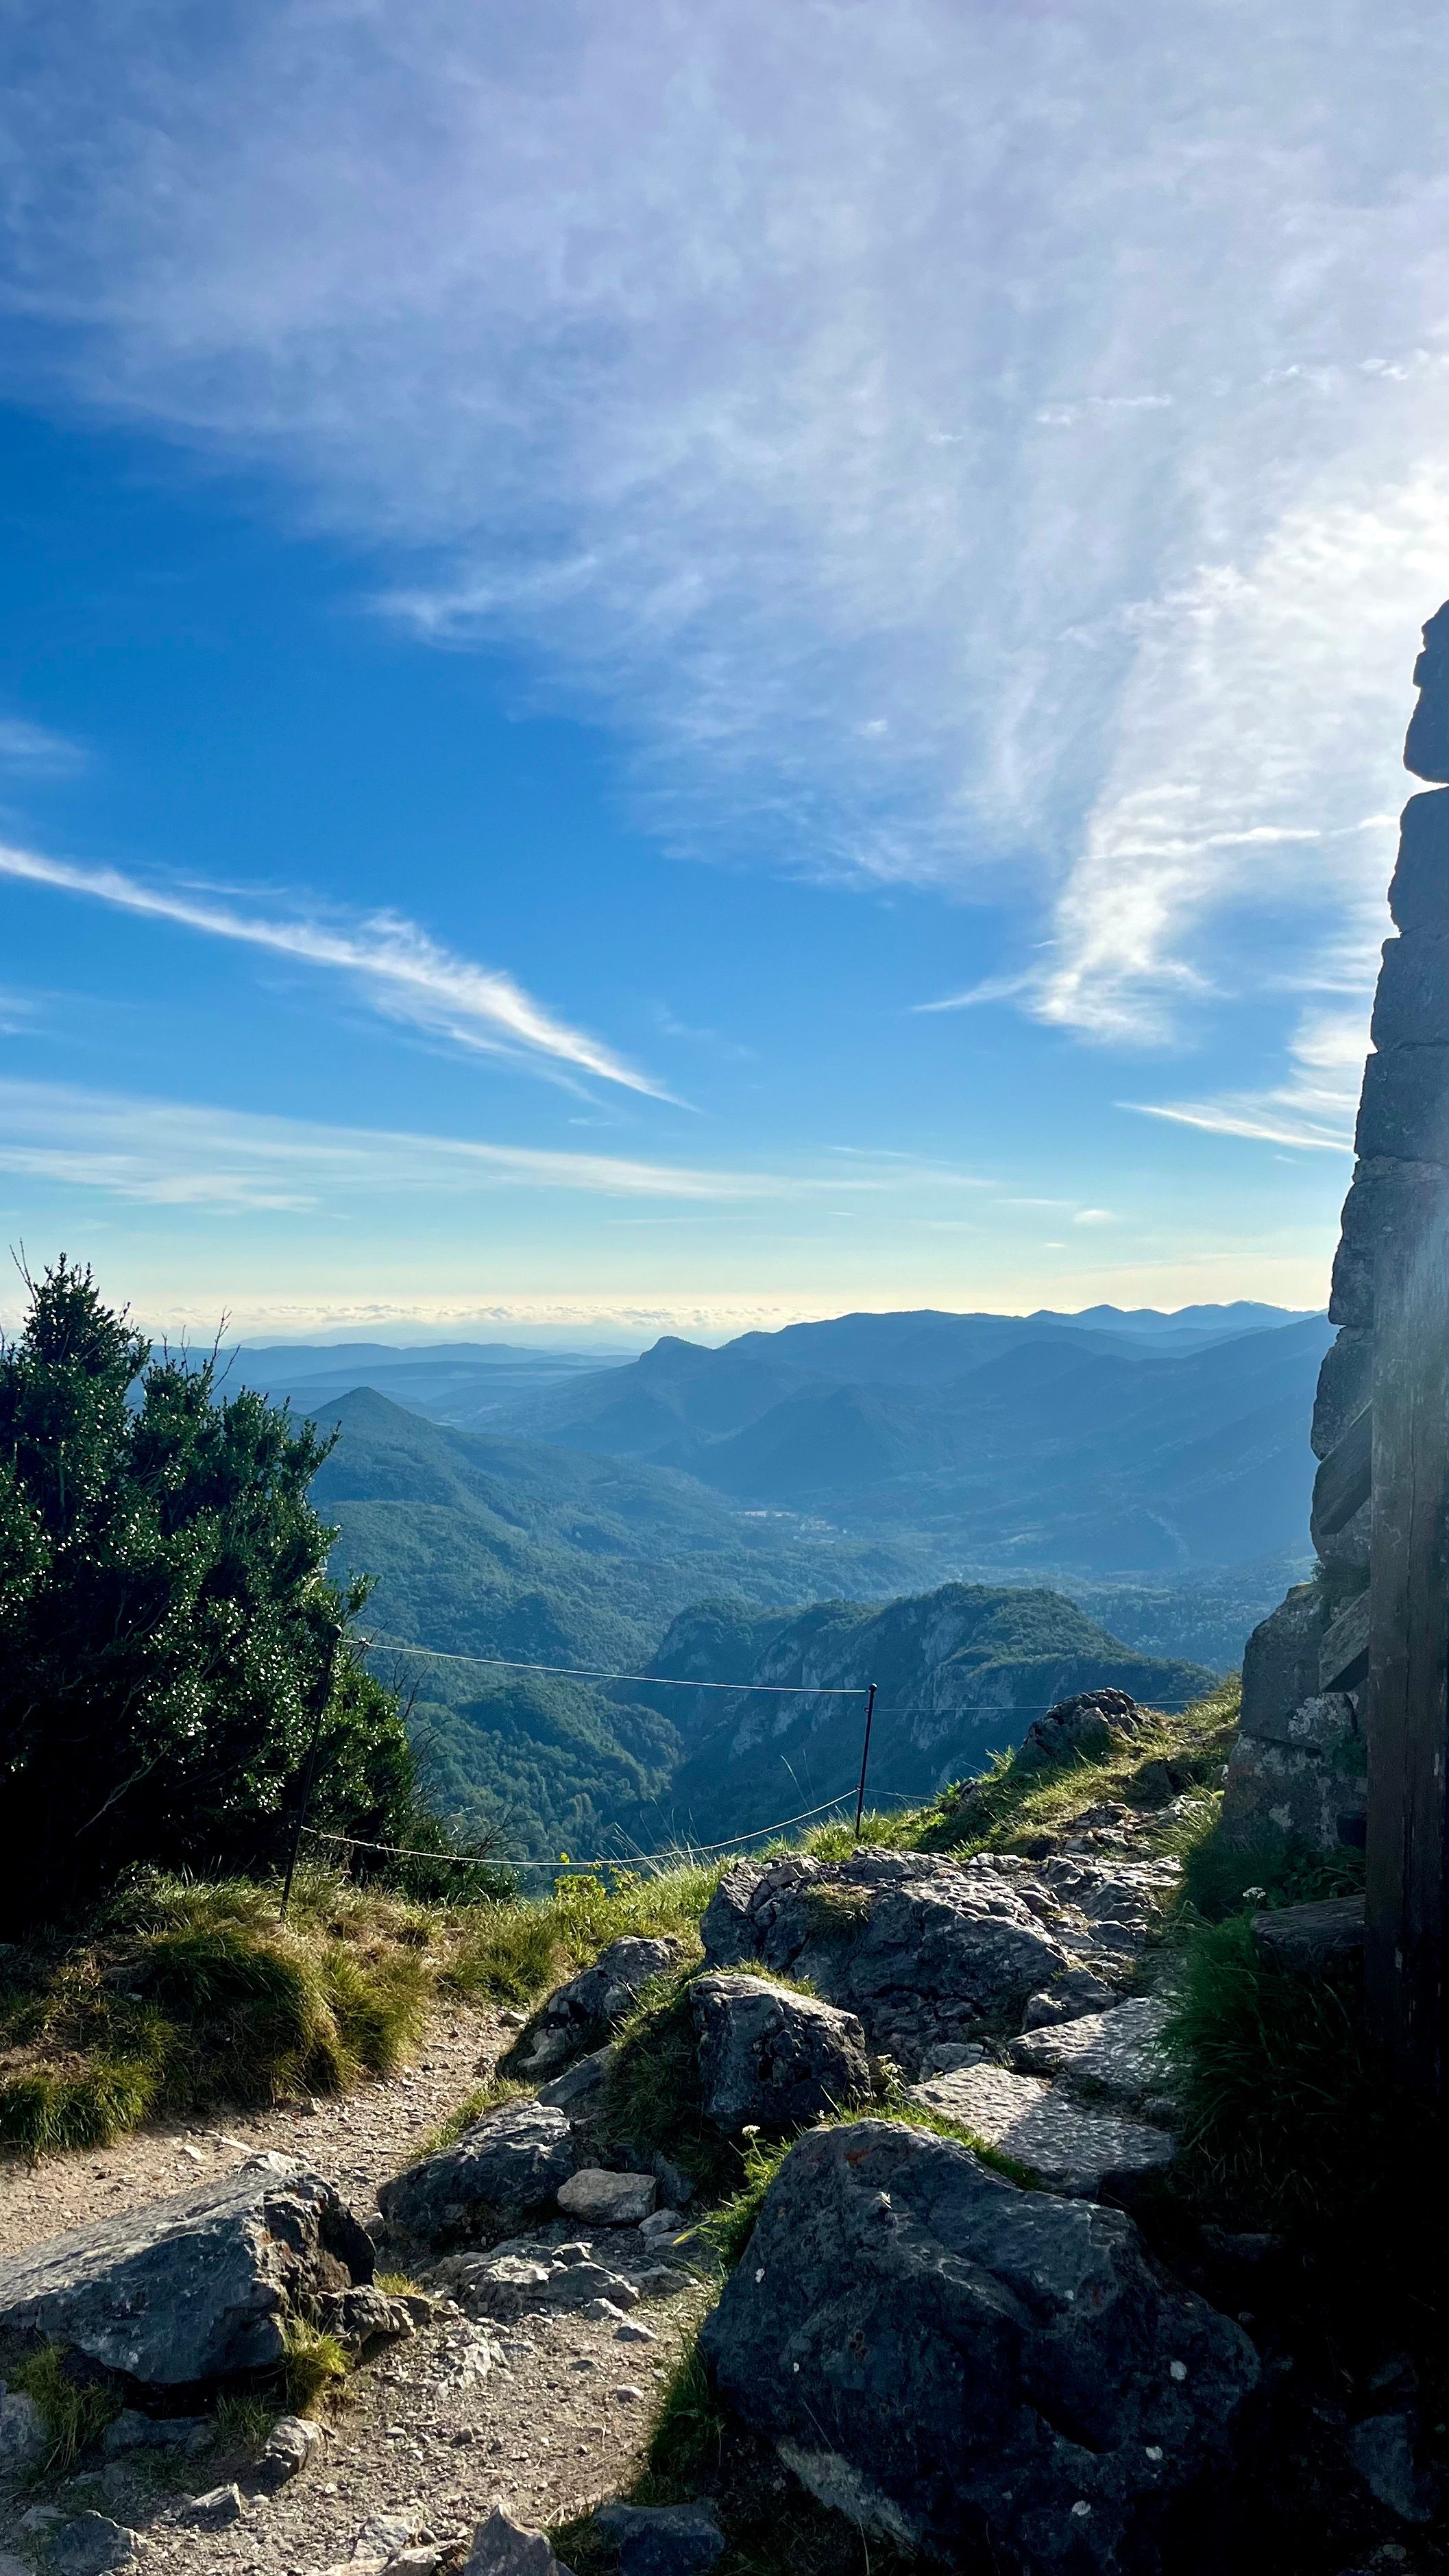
985,2374
774,2057
1117,2053
1070,2147
195,2288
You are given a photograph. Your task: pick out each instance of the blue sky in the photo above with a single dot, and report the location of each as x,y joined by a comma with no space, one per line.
666,667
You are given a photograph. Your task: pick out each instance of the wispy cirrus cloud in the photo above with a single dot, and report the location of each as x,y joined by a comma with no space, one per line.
401,971
1024,471
168,1154
35,751
1313,1110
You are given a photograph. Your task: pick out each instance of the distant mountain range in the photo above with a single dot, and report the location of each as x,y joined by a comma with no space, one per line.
1148,1448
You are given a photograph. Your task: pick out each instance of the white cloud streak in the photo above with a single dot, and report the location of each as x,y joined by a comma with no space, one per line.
403,973
1025,456
1314,1110
165,1154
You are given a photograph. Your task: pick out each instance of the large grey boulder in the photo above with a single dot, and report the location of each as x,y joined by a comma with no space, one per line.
525,2279
1280,1660
921,1947
93,2545
23,2437
773,2057
991,2375
195,2288
503,2170
592,2004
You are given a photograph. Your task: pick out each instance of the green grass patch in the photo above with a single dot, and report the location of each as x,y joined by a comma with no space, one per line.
518,1951
75,2409
1013,1804
313,2365
1273,1869
244,2420
1286,2118
651,2100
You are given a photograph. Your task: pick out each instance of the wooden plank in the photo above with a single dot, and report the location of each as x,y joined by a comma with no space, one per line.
1313,1936
1343,1480
1408,1676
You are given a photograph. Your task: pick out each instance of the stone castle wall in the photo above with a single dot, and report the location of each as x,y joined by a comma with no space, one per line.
1299,1765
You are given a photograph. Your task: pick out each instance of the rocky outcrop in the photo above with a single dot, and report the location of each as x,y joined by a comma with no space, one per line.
922,1948
195,2289
990,2375
1087,1724
503,2170
773,2057
1299,1765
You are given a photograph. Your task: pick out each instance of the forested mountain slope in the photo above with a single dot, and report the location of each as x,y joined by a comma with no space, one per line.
961,1672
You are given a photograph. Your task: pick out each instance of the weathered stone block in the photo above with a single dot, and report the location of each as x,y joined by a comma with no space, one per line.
1411,1004
1343,1482
1387,1200
962,2367
1404,1107
1280,1661
1311,1786
1426,744
1343,1656
1346,1549
1419,892
1345,1385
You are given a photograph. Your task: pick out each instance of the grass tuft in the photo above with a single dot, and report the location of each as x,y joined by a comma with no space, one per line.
244,2420
476,2106
76,2410
1285,2117
312,2364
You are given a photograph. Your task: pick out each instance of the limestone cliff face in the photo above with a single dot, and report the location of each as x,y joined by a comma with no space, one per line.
1299,1765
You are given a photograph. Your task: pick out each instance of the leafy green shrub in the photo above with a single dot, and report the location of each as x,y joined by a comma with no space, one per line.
75,2409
